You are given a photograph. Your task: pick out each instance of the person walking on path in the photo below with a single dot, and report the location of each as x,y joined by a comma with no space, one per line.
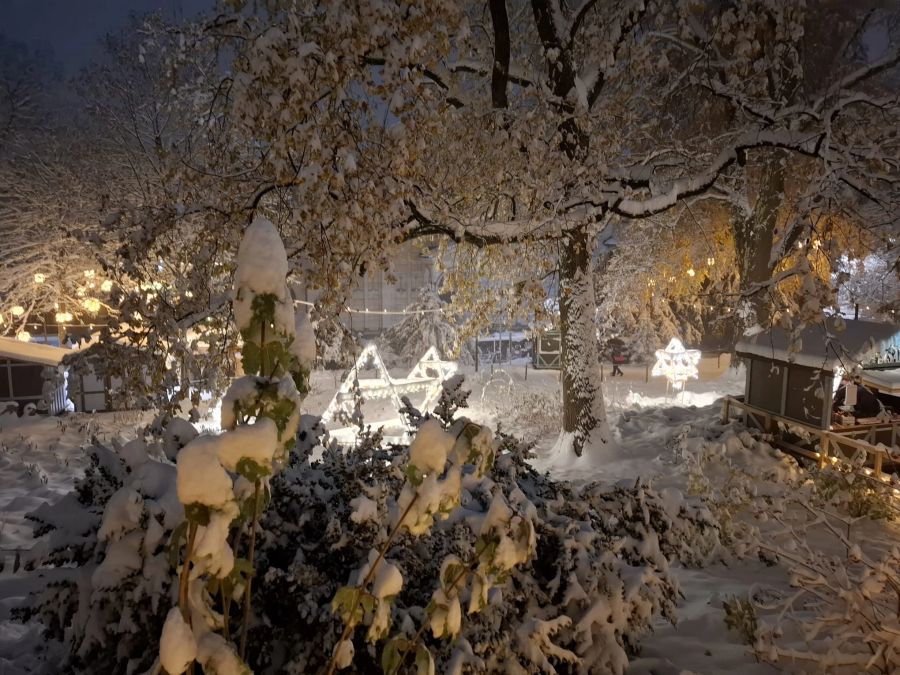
617,358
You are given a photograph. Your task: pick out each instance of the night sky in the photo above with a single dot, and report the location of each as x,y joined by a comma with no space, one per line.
70,29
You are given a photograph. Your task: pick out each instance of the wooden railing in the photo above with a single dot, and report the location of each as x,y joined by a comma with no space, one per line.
829,442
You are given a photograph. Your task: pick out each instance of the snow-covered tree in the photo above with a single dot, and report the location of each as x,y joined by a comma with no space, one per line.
425,325
521,132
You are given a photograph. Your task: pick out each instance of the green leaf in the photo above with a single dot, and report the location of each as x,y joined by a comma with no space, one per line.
175,543
263,308
251,470
197,513
281,412
391,656
367,602
452,573
250,357
413,475
424,661
346,604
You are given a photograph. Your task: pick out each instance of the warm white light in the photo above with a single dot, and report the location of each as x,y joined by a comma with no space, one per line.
106,286
676,363
91,304
710,261
63,317
39,278
23,335
691,272
18,310
90,274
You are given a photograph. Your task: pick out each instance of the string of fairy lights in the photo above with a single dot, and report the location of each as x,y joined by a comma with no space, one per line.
65,319
379,312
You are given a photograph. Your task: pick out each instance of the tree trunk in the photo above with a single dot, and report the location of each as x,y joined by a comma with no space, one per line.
754,237
584,411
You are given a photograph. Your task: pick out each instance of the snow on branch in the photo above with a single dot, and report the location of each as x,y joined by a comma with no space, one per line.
804,142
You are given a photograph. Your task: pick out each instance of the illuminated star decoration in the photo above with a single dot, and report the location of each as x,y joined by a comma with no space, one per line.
676,363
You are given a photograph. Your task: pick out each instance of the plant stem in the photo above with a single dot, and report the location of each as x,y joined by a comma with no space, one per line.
329,669
245,627
226,611
184,581
418,636
185,573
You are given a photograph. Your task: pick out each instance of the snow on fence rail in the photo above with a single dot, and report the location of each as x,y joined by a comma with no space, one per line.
830,443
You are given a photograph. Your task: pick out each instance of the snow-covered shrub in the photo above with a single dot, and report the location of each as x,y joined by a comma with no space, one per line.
842,616
597,580
335,344
740,616
531,415
102,567
851,487
820,524
222,480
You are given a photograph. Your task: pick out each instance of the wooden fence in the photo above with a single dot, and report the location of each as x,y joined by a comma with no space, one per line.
847,440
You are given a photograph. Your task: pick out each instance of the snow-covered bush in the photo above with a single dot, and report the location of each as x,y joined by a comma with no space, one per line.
841,614
223,480
531,415
102,568
598,578
335,344
849,486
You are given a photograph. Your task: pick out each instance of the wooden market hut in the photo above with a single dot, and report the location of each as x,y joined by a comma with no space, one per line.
547,352
796,378
32,373
791,383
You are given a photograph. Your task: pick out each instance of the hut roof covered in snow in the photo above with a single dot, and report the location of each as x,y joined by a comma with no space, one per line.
32,352
826,345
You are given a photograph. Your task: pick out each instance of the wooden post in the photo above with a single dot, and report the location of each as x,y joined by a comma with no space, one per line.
879,459
823,450
601,371
646,372
725,409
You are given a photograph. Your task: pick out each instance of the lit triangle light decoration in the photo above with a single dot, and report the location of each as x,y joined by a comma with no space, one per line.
426,376
676,363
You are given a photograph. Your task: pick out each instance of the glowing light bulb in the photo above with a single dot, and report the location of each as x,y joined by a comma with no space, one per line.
18,310
691,272
23,335
710,261
92,305
106,286
39,278
90,274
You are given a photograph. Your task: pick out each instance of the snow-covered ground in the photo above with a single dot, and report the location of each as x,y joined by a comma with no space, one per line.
40,457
